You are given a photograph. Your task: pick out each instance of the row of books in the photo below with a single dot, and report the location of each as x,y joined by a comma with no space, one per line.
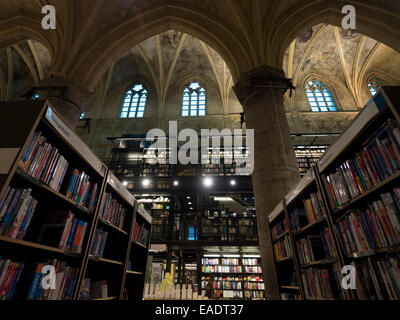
378,279
221,269
43,161
224,285
10,273
298,218
141,233
59,288
73,234
378,159
283,249
250,261
374,227
317,283
17,207
315,247
226,294
279,228
254,286
112,211
314,208
254,295
93,289
81,190
98,244
248,269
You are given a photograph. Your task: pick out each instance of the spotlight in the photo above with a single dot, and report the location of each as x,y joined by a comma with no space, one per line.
125,183
146,182
233,182
208,182
187,197
189,203
191,208
176,183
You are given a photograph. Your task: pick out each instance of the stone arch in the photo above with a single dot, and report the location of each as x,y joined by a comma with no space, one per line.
22,28
97,57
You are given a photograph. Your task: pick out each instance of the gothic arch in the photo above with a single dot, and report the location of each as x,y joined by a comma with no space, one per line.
379,25
154,21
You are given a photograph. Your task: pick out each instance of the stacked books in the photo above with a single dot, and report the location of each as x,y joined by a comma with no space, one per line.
314,208
98,244
383,275
73,234
378,160
377,226
317,284
63,288
283,249
140,233
10,272
298,218
16,211
315,247
81,190
280,228
112,211
43,161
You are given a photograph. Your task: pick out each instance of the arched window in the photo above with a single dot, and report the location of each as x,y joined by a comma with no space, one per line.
319,97
374,85
135,102
194,100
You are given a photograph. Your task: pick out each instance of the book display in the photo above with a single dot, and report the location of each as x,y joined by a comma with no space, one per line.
62,212
237,278
346,211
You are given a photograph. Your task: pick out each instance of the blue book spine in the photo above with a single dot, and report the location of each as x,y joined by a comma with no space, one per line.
8,216
72,183
71,234
35,283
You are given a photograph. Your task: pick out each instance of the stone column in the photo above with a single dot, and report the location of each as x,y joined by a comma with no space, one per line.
68,98
260,91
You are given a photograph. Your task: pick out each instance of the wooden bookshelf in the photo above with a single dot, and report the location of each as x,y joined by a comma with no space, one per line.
38,238
367,151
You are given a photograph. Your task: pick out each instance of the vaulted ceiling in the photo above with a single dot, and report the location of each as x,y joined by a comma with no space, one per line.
166,59
343,59
22,66
92,34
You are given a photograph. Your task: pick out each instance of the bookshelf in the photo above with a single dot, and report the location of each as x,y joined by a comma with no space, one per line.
235,277
356,187
53,199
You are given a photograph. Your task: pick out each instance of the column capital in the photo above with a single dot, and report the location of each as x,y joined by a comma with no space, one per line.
68,98
260,79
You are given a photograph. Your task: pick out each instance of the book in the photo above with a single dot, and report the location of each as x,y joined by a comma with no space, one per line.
17,212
